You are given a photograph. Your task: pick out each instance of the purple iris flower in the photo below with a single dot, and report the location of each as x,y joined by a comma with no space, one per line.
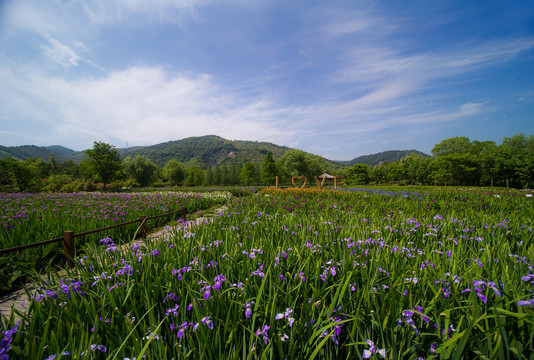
263,331
206,320
286,315
373,350
526,303
101,348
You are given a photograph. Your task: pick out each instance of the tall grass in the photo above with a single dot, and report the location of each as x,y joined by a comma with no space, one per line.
304,274
29,218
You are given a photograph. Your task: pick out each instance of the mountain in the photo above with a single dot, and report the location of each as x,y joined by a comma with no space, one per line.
61,150
199,151
30,151
209,149
379,158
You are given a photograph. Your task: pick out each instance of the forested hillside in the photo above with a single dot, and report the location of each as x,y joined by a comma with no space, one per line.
30,151
212,160
208,150
382,157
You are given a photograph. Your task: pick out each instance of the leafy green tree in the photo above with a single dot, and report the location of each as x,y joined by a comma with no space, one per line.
174,172
234,174
298,163
315,166
465,168
55,168
217,175
69,167
248,173
57,181
27,174
194,176
6,173
208,176
294,163
224,174
358,174
455,145
23,175
395,172
517,152
378,173
141,169
269,171
105,161
441,172
488,153
257,178
414,166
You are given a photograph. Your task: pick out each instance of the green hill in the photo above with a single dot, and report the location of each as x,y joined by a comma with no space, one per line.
30,151
199,151
61,150
209,149
379,158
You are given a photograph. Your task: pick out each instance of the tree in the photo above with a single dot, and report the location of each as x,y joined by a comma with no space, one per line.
440,171
248,173
208,176
455,145
294,163
141,169
6,173
24,175
358,174
394,172
517,152
217,175
234,174
378,173
105,161
174,171
298,163
194,176
487,155
414,166
268,170
224,174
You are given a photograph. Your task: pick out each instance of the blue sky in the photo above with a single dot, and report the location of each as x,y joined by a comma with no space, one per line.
336,78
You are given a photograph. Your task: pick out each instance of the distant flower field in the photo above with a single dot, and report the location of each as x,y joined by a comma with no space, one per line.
28,218
303,274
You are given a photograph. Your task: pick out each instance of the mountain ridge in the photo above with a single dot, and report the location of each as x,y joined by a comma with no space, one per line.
199,151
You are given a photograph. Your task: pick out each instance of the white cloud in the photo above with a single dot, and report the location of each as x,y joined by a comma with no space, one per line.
383,75
471,108
61,53
147,105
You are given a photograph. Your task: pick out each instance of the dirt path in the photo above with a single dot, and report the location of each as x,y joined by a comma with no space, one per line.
19,298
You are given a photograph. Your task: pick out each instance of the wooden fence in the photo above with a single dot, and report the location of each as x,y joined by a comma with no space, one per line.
69,236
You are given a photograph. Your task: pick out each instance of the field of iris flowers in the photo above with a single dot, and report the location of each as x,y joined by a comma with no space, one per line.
303,274
29,218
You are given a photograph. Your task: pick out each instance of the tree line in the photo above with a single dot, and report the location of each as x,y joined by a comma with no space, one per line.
458,161
103,169
454,161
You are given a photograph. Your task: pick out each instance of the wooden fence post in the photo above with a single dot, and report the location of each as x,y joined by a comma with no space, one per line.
184,213
277,181
143,226
68,246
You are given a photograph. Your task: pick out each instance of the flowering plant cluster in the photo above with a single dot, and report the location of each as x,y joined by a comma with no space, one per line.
303,275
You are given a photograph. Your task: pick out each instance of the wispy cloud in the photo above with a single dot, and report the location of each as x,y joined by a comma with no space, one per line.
61,53
145,105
